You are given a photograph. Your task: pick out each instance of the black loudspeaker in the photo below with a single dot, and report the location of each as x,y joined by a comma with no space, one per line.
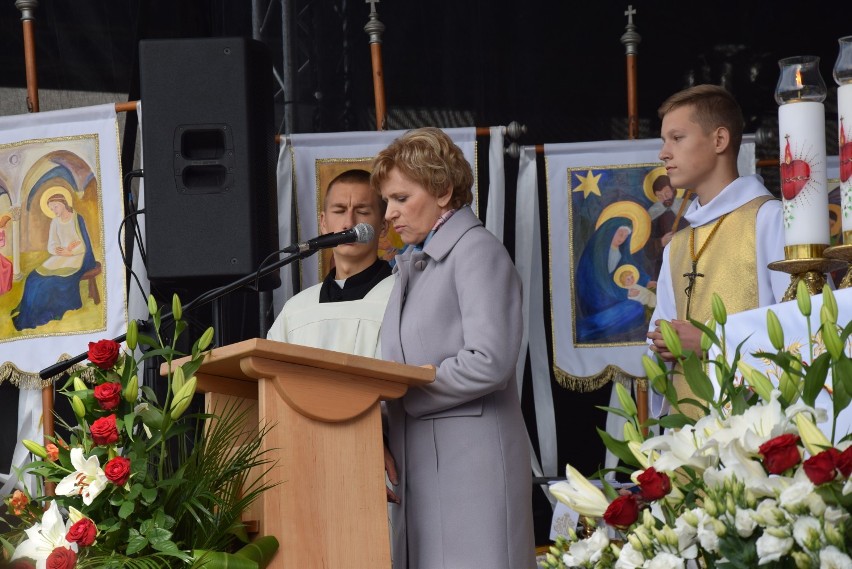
209,158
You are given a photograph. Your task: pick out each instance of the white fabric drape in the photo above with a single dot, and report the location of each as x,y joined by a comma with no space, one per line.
528,262
496,183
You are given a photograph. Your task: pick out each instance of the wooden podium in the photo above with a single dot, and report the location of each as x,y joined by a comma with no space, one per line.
329,509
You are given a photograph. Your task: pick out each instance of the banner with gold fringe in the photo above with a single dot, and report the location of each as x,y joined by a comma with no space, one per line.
308,162
62,280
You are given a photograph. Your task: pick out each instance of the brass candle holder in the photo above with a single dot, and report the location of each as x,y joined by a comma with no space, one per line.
842,253
806,263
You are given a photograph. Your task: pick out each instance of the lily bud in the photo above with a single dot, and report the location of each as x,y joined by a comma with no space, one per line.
776,333
131,392
183,398
829,301
78,407
707,341
803,298
79,384
132,337
652,369
720,314
759,382
812,437
671,338
625,399
178,379
177,308
631,434
789,387
205,339
35,448
832,339
152,305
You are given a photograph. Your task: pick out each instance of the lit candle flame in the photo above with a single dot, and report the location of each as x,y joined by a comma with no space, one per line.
799,77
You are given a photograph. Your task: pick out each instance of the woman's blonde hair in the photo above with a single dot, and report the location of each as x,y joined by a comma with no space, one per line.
429,157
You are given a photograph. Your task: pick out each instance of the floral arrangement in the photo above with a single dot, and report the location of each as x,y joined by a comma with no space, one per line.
754,482
136,483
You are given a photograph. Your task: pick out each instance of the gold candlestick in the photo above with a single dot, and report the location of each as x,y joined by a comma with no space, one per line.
842,253
806,263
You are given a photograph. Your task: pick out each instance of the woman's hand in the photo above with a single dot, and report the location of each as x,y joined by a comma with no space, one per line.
390,470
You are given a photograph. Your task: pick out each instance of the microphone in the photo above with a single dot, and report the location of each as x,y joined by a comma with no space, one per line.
361,233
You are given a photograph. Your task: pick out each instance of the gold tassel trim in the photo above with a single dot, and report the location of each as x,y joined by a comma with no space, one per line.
595,382
30,380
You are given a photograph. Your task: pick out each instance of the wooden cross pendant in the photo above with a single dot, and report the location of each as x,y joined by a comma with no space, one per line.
688,290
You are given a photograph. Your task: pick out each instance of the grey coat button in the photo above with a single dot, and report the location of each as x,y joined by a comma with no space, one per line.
420,264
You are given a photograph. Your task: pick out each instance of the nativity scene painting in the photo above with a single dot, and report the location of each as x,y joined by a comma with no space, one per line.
620,218
51,239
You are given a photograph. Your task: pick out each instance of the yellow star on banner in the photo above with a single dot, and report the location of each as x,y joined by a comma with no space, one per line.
588,184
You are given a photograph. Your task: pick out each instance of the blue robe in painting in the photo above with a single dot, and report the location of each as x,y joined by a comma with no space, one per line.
49,297
604,313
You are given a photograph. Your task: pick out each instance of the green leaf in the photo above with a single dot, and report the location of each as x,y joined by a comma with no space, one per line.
158,536
675,421
815,378
218,560
126,509
260,550
618,448
841,378
136,542
697,380
149,495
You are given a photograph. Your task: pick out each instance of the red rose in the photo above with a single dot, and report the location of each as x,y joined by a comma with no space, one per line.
61,558
654,484
82,532
821,468
108,395
104,353
104,431
117,470
844,462
780,453
622,512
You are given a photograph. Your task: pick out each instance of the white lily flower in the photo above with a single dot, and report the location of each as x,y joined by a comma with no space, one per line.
630,558
88,481
43,538
833,558
683,448
579,494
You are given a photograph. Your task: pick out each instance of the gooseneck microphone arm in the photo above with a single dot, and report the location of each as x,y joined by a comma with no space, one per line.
204,298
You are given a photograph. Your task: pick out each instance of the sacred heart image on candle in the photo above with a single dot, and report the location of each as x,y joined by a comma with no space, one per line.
845,155
795,174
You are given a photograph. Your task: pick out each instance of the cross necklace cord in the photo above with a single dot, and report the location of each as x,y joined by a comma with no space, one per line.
695,257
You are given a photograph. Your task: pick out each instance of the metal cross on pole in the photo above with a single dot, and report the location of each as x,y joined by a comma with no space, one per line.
375,29
631,40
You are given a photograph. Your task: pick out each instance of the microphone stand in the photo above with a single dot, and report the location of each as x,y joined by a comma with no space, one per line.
204,298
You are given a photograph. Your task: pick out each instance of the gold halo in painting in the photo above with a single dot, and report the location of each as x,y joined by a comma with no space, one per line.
638,216
650,178
837,224
52,192
616,276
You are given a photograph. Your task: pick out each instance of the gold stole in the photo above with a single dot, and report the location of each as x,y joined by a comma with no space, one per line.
729,266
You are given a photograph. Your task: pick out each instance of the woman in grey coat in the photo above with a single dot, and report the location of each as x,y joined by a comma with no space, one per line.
460,444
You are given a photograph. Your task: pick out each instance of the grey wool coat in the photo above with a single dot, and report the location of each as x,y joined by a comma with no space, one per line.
460,444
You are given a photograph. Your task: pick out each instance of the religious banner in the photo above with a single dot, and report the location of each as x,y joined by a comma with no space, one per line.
610,209
308,162
62,279
618,179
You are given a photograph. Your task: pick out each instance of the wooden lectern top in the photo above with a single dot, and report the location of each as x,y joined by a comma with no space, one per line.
320,384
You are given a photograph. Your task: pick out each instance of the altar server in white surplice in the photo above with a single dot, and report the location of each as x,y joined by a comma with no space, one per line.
344,312
735,226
